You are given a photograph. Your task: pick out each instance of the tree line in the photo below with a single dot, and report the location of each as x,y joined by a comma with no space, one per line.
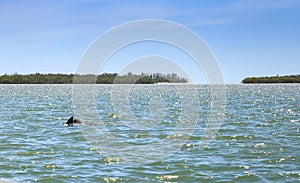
273,79
106,78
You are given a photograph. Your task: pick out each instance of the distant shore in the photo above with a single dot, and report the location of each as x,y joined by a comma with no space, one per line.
106,78
272,79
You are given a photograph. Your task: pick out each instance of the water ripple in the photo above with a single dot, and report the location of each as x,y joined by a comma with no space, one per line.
258,141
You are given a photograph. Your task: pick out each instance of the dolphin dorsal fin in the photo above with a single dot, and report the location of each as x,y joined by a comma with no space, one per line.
70,121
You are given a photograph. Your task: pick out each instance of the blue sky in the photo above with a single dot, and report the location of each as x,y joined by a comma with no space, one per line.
248,38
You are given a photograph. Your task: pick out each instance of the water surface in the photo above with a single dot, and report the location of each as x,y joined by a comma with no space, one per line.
257,142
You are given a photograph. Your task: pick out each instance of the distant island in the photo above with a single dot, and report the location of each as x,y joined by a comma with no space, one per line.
272,79
106,78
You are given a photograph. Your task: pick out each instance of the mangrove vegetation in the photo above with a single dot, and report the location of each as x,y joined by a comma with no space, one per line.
106,78
272,79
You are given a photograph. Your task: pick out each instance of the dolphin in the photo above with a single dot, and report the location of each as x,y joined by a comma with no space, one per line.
73,121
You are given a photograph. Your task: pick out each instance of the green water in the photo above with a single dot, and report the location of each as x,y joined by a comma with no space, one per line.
259,140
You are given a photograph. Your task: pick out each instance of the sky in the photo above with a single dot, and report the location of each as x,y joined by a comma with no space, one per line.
247,37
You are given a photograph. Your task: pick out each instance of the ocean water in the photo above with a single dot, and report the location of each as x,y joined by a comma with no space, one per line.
150,133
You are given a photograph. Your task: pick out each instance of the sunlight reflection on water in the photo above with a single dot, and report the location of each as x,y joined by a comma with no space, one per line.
258,141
